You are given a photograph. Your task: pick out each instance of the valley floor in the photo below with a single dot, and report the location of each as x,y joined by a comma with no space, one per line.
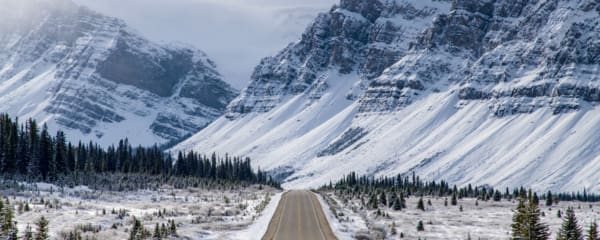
198,213
479,219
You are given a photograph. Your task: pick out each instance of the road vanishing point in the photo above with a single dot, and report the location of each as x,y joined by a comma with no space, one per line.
299,216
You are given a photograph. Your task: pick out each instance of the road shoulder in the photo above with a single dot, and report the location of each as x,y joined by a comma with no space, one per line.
271,230
258,228
322,216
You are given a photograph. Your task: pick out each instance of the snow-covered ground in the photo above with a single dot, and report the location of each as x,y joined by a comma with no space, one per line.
259,227
479,219
198,213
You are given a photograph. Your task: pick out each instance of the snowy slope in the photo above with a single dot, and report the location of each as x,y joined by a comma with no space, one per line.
97,79
473,91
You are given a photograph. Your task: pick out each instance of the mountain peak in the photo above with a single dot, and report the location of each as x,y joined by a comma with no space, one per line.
77,69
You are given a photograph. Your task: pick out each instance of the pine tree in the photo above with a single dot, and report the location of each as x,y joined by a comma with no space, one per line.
157,234
570,230
163,230
518,221
173,228
33,168
373,203
420,204
549,199
497,196
559,214
383,198
46,163
526,221
60,153
592,233
454,201
536,199
397,204
75,235
538,230
420,226
9,226
402,200
137,230
42,229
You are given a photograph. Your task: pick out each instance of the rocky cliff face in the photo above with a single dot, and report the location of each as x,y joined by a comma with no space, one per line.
99,79
517,55
356,36
523,50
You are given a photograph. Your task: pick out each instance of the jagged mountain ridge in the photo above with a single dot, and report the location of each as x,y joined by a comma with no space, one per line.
99,80
500,92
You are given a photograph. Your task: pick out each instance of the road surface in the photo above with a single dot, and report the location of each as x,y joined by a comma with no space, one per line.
299,216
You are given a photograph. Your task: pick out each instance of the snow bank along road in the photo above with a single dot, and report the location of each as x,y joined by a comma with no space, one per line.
299,216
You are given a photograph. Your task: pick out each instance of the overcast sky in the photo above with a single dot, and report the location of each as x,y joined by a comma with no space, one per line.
234,33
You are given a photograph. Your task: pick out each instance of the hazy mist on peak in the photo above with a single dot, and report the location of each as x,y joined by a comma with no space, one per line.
235,33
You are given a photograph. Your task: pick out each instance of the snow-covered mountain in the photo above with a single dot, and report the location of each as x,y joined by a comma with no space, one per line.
99,80
500,92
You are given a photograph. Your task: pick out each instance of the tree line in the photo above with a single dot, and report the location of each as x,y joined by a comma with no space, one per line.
30,152
414,185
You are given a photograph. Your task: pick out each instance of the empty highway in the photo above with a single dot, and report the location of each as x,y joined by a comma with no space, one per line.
299,216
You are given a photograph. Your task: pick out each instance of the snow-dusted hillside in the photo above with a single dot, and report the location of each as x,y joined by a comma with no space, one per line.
498,92
97,79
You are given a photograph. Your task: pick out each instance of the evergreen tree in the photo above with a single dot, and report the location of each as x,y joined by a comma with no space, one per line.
9,226
549,199
536,199
454,201
420,204
559,214
538,230
173,228
137,230
592,233
497,196
402,200
60,153
570,229
75,235
46,163
33,168
397,204
42,229
157,235
373,203
163,230
526,221
420,226
383,198
519,218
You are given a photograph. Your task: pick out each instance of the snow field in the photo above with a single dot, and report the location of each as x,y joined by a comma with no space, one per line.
198,213
486,220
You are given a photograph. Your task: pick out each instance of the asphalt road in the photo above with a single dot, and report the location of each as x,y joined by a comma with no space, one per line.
299,216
